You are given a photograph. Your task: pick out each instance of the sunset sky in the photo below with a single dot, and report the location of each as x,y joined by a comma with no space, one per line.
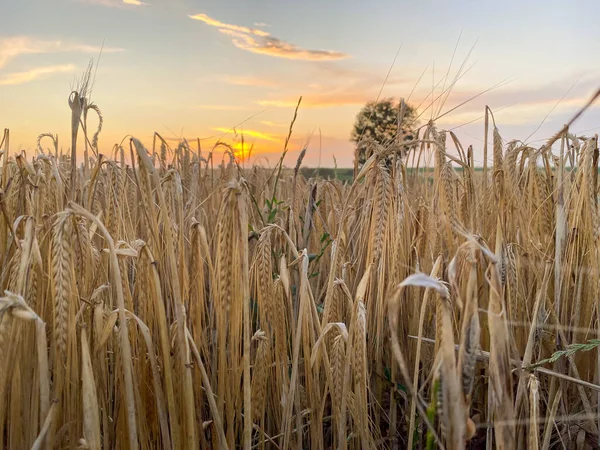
199,69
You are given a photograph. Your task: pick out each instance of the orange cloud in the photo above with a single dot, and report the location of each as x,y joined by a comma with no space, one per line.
251,133
34,74
134,2
256,150
336,85
273,124
263,43
355,89
227,26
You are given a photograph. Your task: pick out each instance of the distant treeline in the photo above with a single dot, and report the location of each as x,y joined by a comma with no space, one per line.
347,174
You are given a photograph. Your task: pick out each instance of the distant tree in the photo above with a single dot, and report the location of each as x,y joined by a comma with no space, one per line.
377,122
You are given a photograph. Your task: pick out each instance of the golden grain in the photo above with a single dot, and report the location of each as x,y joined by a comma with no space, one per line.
153,276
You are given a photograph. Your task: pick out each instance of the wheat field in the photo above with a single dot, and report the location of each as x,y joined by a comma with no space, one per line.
161,298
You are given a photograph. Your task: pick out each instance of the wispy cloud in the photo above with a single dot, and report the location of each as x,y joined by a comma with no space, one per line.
523,113
227,26
523,103
518,104
251,133
34,74
12,47
335,85
261,42
261,24
269,123
271,46
134,2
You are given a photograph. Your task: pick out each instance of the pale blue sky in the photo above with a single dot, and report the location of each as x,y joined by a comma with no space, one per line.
162,71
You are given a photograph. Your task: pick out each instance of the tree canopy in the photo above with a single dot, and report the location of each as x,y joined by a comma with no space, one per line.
378,121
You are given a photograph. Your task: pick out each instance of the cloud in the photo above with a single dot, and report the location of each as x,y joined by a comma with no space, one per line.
251,133
227,26
550,92
261,25
523,113
263,43
518,104
335,85
271,46
514,104
15,46
268,123
34,74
